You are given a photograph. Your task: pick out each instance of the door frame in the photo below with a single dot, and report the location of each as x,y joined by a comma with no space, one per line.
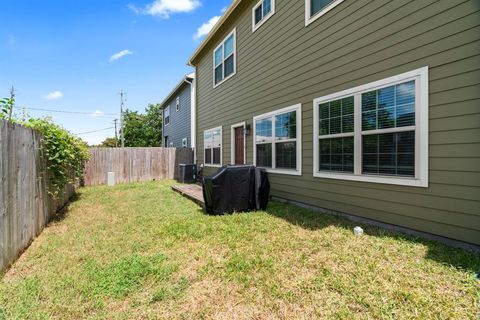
232,148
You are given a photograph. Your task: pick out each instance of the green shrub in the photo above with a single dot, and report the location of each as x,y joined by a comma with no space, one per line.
66,154
6,106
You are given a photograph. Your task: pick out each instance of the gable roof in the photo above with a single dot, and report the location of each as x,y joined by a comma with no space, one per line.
215,28
185,80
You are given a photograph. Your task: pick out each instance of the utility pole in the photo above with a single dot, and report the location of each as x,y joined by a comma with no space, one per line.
116,136
12,99
122,94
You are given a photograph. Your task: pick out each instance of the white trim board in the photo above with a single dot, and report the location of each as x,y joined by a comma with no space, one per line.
309,19
234,32
421,131
232,140
169,116
221,148
255,27
298,109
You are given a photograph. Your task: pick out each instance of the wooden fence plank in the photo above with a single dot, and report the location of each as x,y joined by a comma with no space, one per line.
135,164
25,205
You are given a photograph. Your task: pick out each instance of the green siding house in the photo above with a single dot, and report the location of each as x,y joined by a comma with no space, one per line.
369,108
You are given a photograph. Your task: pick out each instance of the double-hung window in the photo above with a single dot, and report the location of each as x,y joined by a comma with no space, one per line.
314,9
224,59
375,133
277,141
167,115
213,147
261,12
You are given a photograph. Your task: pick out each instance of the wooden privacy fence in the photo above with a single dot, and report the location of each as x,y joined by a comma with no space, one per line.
25,205
135,164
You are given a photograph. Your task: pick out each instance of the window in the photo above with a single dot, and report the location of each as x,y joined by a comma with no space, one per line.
177,103
184,142
314,9
167,115
261,12
213,147
375,133
336,135
277,141
224,59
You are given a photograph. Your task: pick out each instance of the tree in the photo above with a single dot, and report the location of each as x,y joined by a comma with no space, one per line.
110,143
143,130
154,119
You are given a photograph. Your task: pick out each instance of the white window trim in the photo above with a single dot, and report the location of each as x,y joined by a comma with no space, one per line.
309,19
232,154
298,109
421,131
265,18
234,32
169,116
177,104
221,148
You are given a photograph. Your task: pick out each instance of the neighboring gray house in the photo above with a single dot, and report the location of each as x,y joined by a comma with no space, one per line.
178,108
369,108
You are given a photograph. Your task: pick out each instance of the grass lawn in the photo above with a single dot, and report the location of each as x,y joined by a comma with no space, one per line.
141,251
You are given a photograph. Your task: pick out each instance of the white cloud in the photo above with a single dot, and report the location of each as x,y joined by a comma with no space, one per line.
164,8
120,55
206,28
97,114
54,95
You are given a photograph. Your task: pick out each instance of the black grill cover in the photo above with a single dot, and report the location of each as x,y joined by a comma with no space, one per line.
235,189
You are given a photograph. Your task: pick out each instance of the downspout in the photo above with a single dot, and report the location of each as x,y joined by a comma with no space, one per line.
193,115
163,128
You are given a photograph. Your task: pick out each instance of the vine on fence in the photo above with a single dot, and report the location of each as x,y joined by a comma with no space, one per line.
6,107
66,154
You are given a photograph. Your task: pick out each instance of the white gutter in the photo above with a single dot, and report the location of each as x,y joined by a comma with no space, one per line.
193,116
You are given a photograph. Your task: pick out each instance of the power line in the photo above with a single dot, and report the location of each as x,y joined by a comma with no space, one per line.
77,134
71,112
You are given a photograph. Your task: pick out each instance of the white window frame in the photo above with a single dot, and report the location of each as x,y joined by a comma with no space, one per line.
184,142
309,19
169,116
232,130
298,109
264,18
221,148
421,131
177,103
234,32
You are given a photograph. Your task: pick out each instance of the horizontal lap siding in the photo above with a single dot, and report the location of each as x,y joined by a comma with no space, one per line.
180,121
284,63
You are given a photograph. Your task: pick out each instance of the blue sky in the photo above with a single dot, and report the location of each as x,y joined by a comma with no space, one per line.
77,55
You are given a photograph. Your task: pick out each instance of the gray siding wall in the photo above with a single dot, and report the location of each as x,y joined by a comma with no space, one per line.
180,121
284,63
